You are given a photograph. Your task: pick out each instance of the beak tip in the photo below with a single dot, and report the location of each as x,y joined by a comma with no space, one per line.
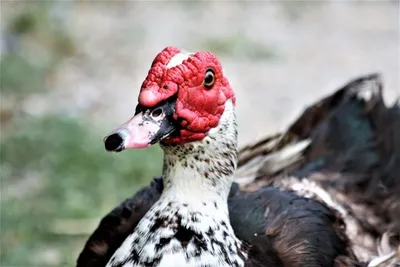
114,142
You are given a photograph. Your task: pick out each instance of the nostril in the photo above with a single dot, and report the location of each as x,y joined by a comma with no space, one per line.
114,142
157,112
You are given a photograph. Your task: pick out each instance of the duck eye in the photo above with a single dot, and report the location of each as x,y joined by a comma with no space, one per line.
209,79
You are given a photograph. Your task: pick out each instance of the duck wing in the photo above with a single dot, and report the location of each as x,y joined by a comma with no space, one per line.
288,230
343,152
273,224
284,153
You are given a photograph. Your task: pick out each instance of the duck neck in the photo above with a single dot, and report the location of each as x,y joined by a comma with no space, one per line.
201,173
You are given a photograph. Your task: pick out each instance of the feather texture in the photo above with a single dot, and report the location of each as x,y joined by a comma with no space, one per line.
324,193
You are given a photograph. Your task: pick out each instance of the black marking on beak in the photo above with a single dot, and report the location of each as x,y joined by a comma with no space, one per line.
168,126
115,142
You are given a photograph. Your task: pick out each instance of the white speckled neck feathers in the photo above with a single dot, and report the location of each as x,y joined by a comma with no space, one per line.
203,171
189,225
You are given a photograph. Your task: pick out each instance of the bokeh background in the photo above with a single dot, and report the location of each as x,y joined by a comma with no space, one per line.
71,70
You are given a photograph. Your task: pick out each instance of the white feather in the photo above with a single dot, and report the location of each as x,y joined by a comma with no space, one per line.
178,59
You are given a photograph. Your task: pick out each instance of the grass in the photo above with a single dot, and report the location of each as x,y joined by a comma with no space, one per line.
74,179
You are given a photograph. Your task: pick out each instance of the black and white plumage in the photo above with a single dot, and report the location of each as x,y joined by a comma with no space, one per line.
195,216
189,224
350,162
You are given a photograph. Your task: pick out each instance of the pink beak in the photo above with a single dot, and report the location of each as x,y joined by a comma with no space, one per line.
138,132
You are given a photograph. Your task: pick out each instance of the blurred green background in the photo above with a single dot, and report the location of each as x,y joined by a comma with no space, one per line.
70,72
57,180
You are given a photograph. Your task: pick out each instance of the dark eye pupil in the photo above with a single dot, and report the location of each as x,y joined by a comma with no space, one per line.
157,112
209,78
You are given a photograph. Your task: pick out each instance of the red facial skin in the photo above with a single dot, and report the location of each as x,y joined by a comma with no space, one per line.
198,107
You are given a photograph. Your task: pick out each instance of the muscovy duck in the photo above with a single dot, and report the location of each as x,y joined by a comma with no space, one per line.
187,217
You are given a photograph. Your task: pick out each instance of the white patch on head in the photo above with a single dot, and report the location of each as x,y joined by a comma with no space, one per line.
178,59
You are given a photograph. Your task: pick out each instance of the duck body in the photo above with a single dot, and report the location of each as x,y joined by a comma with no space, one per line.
195,214
171,234
271,225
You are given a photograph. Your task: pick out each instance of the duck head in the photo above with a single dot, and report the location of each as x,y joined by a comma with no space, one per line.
182,98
